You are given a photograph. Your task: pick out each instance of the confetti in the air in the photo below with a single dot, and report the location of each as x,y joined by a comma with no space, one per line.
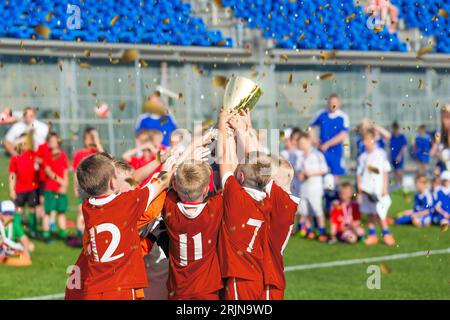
114,20
129,55
43,31
327,76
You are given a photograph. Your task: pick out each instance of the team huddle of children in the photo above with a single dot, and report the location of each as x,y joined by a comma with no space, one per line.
227,224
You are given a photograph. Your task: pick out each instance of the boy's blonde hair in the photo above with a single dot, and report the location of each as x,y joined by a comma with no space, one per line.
282,172
257,170
191,178
94,174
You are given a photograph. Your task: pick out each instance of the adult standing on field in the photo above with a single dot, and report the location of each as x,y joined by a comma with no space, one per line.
25,125
333,125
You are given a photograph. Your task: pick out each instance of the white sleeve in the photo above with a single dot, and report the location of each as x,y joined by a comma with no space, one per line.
225,177
151,194
322,162
13,133
360,166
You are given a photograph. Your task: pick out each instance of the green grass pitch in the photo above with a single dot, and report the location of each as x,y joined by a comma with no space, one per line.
425,277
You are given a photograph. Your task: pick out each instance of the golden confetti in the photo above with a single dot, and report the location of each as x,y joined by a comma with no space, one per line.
284,57
305,86
56,115
350,17
114,61
444,227
384,268
89,83
143,63
87,53
43,31
114,20
49,16
166,21
129,55
327,76
424,50
84,65
301,37
443,13
420,84
220,81
122,105
290,78
32,61
197,70
60,66
326,55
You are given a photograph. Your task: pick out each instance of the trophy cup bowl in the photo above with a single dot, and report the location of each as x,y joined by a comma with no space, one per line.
241,93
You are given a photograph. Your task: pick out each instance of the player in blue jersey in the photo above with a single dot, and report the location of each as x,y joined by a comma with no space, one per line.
333,124
422,147
422,212
442,209
397,146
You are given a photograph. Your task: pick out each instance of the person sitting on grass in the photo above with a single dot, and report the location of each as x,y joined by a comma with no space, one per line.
442,208
345,218
421,214
15,247
56,166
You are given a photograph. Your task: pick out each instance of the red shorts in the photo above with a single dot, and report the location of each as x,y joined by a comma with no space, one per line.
125,294
206,296
242,289
273,293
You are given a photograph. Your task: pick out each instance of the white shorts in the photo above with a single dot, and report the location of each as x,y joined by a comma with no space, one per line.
310,206
380,208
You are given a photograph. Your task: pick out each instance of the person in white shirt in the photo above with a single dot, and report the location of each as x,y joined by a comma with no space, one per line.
310,168
372,179
25,125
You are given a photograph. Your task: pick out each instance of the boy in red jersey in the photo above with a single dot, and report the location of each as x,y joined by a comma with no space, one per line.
112,267
42,152
92,145
22,179
281,222
56,166
345,218
243,230
193,225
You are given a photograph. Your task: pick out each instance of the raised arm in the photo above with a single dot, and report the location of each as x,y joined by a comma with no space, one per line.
228,160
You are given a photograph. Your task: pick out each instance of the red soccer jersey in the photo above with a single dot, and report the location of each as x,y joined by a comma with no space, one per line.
23,165
80,155
284,207
243,231
58,164
114,257
194,265
342,215
42,152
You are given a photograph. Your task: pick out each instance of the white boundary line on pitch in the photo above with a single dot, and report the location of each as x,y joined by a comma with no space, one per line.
312,266
366,260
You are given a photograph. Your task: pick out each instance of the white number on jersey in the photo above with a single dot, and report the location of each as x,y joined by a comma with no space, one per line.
198,250
115,240
257,224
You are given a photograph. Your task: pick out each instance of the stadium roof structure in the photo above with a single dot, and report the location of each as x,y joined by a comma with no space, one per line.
243,56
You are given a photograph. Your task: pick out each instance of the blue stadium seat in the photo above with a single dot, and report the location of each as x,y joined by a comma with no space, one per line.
424,15
148,22
318,24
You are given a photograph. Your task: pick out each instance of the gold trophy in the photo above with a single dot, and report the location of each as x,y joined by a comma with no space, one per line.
241,93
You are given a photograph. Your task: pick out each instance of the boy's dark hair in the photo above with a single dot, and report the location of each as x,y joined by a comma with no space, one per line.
122,165
94,173
346,184
395,125
422,127
303,135
369,132
421,176
87,131
333,95
52,134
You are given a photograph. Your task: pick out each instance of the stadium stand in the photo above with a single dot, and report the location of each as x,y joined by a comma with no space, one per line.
426,16
322,24
152,22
